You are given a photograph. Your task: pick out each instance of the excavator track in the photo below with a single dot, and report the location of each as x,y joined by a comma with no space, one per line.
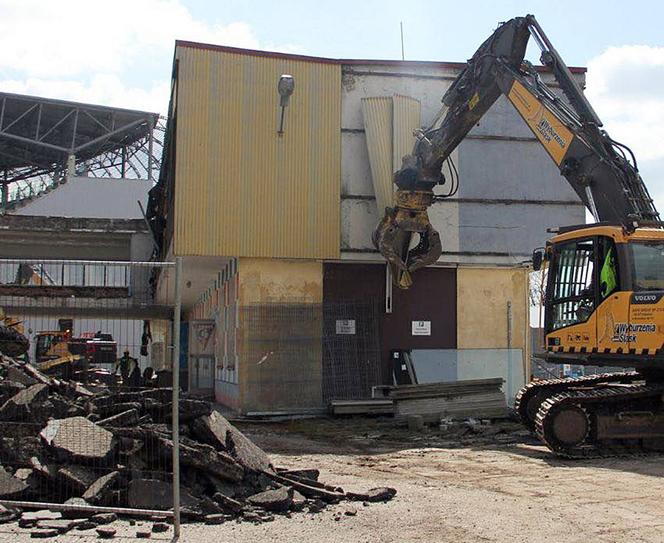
529,399
567,422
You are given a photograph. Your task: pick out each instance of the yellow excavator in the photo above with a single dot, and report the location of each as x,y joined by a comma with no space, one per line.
604,298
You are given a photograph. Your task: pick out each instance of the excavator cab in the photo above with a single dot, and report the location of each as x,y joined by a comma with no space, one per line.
605,296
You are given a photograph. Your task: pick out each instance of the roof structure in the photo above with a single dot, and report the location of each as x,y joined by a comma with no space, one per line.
38,135
342,61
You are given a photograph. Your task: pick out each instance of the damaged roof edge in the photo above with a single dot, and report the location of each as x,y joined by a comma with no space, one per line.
350,62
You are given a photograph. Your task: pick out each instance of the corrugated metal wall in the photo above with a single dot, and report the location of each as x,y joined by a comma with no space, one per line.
405,118
389,122
377,114
240,189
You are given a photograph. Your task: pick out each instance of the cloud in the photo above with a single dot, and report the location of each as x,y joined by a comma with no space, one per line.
73,37
624,85
116,54
103,89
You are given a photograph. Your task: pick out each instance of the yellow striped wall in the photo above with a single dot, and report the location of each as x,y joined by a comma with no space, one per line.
240,188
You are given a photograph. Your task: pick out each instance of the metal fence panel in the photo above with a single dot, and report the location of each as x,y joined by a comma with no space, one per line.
86,410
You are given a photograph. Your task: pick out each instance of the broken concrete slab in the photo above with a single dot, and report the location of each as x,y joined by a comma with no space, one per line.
103,518
42,514
8,514
26,405
39,533
117,408
218,432
278,500
155,494
76,479
212,429
314,492
299,501
43,470
216,518
99,492
75,513
308,474
61,525
14,374
204,457
190,409
10,486
228,503
77,438
126,418
106,533
37,375
381,494
160,527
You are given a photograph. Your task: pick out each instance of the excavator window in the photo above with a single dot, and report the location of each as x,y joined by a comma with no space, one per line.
648,272
573,294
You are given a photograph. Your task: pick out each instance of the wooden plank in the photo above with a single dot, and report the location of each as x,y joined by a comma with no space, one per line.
360,407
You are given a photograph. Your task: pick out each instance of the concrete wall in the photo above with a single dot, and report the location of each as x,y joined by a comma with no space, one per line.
510,191
279,334
92,198
280,281
482,309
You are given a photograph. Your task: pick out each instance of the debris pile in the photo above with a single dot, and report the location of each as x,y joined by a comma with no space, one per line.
62,442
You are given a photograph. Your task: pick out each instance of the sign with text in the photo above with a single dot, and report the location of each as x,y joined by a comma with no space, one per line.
421,328
346,327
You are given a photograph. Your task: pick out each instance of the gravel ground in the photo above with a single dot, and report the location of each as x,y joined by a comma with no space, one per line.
502,487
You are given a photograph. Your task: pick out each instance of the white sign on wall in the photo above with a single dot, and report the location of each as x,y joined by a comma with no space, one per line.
421,328
346,327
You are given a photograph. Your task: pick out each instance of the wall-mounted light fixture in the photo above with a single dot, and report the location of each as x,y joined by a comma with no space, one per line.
285,87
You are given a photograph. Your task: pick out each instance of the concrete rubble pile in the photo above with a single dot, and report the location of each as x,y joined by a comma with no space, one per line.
60,442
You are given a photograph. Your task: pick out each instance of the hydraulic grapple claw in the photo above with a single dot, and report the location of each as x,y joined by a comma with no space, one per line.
392,237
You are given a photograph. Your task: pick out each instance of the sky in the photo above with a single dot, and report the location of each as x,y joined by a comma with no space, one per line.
120,53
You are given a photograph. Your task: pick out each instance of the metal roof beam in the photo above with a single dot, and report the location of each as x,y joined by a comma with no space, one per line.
33,142
67,115
107,128
26,112
109,135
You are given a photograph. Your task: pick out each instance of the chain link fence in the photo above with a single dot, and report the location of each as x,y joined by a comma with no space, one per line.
86,387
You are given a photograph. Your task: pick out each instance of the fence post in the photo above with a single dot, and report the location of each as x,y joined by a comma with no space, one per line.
176,395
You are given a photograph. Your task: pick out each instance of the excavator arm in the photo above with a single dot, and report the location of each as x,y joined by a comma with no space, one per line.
602,172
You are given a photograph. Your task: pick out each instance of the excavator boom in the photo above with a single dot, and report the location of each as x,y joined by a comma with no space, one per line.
602,172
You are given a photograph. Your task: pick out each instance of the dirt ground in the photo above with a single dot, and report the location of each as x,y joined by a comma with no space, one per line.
473,488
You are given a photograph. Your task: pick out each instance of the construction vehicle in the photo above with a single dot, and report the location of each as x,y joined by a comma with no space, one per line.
60,352
13,342
604,299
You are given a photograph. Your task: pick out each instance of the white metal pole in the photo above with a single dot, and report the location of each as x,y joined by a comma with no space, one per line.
176,395
509,353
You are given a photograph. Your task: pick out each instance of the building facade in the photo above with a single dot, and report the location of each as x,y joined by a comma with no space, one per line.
288,303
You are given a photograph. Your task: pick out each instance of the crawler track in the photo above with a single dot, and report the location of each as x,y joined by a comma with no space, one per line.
589,401
529,399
